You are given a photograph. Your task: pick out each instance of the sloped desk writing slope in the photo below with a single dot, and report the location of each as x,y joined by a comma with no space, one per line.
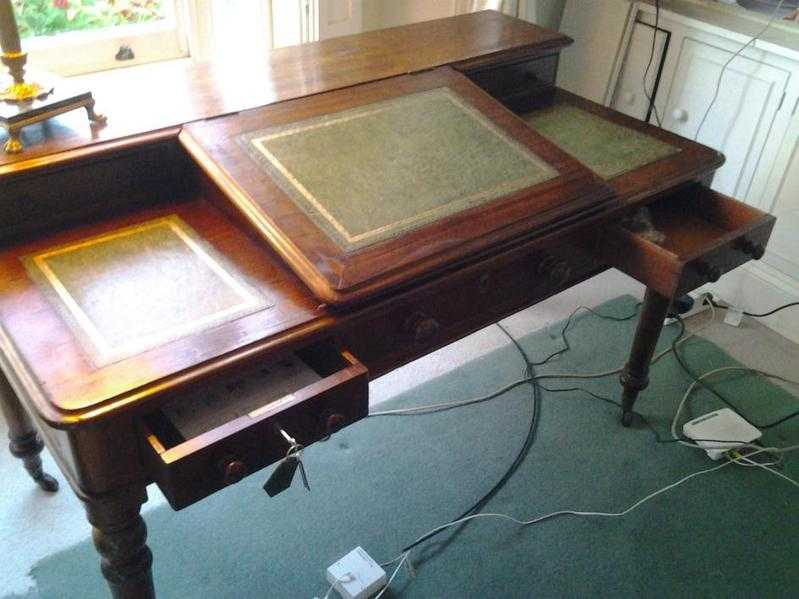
152,326
370,187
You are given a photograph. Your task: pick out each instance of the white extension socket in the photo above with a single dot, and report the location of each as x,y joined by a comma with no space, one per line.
700,305
356,575
725,426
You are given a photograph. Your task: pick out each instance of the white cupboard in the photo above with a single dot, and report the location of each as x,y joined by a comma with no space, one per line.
753,121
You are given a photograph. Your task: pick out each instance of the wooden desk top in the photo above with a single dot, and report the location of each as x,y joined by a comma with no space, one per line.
139,100
59,342
370,187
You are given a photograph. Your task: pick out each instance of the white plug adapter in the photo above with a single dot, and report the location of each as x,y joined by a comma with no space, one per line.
725,427
701,303
356,575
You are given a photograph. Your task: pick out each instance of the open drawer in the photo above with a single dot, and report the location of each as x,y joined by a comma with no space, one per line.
216,435
705,234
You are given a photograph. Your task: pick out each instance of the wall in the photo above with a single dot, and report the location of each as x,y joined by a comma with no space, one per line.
379,14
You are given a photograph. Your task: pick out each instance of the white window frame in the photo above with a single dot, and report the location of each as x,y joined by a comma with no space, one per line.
78,52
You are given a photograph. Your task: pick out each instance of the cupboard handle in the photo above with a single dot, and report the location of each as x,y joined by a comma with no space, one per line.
680,115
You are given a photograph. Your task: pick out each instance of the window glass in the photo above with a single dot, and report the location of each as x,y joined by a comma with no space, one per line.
37,18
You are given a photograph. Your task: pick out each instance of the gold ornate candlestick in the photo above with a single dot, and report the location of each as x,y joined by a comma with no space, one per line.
24,103
14,58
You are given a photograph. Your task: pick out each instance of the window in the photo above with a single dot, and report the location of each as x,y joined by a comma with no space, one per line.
70,37
76,36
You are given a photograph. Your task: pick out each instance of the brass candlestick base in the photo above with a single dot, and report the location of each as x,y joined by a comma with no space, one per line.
24,103
47,101
24,92
20,90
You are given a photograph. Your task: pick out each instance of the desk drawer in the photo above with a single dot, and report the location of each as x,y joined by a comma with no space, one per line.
430,316
519,85
706,235
212,437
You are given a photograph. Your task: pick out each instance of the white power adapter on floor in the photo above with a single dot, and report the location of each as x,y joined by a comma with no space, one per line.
717,431
356,575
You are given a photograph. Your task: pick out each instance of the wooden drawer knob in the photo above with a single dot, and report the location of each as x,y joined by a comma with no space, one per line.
484,283
421,327
556,270
710,272
334,422
233,470
754,250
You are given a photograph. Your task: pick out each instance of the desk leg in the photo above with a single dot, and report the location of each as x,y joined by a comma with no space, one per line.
635,376
25,442
120,536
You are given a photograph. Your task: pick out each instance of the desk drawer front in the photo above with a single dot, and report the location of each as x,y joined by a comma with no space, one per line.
706,234
198,444
449,308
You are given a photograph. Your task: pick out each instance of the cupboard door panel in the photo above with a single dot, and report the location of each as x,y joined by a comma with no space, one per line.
740,121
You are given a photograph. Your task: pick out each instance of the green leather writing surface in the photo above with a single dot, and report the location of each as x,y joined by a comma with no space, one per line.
370,173
139,287
607,148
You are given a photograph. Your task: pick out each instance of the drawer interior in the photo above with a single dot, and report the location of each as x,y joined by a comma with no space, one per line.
264,390
692,225
687,240
214,435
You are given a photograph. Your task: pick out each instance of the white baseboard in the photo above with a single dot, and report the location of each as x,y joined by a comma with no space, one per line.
757,287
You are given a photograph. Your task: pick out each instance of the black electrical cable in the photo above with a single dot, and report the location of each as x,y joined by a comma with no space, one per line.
520,456
652,107
763,315
724,400
534,420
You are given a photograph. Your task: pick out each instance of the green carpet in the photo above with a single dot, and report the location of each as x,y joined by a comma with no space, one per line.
385,481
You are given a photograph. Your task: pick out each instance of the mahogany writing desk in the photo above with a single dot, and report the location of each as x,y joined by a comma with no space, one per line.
179,290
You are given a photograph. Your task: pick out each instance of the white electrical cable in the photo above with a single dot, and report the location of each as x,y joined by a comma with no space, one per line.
698,381
727,64
573,512
391,578
732,460
768,469
439,407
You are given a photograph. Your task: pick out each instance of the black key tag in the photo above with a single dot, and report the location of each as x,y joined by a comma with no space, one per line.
283,475
303,475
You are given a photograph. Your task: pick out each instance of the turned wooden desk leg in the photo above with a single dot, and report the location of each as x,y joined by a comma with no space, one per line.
120,536
635,375
25,442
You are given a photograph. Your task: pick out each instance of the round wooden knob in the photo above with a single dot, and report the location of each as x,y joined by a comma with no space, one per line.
556,270
421,327
233,470
546,264
710,272
560,272
335,422
484,284
754,250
